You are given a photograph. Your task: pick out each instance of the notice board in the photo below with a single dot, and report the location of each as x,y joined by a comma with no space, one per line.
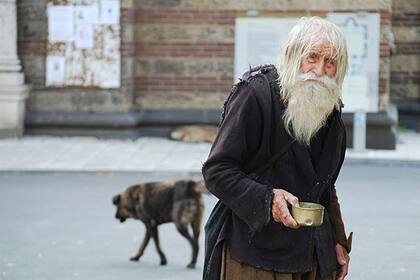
259,40
83,43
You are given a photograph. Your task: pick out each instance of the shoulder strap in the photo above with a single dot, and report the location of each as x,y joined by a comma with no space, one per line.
282,151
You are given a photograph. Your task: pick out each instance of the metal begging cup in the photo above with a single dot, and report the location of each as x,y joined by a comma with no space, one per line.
308,214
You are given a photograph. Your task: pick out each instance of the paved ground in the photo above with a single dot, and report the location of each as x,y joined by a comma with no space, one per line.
61,226
41,153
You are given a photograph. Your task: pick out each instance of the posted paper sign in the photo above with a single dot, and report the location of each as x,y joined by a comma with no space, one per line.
258,41
60,24
361,85
355,93
86,14
84,38
55,70
83,43
110,12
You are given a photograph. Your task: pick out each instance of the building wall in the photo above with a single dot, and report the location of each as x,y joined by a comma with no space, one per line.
32,44
185,48
405,61
176,54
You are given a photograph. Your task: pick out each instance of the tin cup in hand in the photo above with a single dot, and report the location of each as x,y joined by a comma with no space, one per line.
308,214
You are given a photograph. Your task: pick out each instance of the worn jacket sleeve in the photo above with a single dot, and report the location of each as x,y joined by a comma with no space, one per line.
337,222
335,211
238,141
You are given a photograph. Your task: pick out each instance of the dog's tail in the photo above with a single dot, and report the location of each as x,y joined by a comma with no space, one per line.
196,223
190,206
196,190
187,189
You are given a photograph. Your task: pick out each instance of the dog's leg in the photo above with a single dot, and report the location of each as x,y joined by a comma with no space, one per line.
183,230
195,225
143,245
196,234
155,237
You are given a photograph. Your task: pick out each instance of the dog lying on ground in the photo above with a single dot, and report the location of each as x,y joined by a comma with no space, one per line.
179,202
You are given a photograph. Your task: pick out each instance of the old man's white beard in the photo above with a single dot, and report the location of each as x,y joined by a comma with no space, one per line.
309,103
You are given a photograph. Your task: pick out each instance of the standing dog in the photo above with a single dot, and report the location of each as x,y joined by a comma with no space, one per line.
179,202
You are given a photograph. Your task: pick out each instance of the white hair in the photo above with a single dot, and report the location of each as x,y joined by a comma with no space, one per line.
306,34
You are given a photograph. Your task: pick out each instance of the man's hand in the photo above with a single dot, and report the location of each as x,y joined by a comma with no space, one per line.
343,259
280,212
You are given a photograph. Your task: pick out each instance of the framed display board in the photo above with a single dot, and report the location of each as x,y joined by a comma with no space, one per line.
83,44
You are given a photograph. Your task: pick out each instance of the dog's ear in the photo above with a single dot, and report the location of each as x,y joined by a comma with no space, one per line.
116,199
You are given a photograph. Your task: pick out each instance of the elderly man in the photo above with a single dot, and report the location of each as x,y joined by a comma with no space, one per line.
281,140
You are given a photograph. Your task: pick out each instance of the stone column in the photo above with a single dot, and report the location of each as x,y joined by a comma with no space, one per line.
13,91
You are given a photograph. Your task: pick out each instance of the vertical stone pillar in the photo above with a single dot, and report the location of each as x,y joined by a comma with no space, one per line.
13,91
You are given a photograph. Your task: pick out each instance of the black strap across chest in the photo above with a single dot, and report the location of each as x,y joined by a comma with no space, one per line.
270,163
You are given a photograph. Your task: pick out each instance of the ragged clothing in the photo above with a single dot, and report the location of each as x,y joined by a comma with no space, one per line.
233,270
252,132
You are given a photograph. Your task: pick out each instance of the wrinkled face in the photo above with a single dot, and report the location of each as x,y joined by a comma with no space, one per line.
124,207
320,60
314,94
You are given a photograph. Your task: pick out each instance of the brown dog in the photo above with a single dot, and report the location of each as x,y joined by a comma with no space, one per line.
179,202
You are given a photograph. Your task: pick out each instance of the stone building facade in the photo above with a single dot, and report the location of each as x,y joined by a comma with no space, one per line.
177,59
405,61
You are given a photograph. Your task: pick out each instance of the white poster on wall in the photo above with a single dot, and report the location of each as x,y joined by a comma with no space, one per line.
89,51
60,24
86,14
111,77
258,41
84,37
55,70
355,92
361,85
110,12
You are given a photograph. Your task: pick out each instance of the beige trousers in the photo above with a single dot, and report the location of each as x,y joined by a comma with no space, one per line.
233,270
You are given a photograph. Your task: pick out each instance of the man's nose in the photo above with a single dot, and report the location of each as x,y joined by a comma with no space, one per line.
318,69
